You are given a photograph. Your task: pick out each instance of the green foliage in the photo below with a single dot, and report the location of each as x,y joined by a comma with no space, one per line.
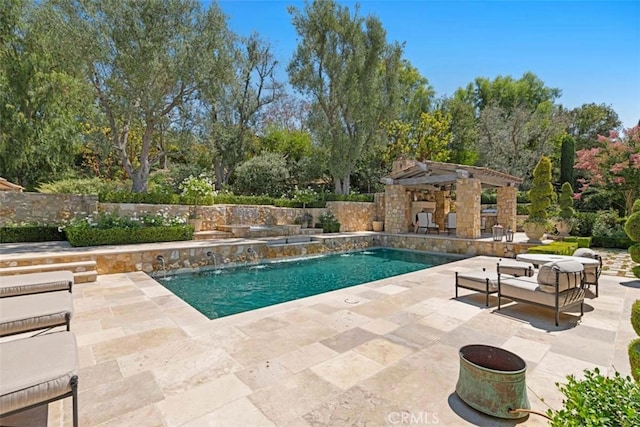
636,271
555,248
80,186
328,222
634,359
522,209
344,63
265,174
567,159
30,233
636,206
612,242
232,199
488,197
632,227
304,196
197,188
583,223
608,225
634,251
523,197
566,201
583,242
79,236
541,193
348,197
635,316
149,198
597,400
590,120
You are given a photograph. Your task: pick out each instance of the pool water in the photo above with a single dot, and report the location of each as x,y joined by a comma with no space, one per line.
218,293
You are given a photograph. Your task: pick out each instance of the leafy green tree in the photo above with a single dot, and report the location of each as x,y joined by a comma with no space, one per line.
234,102
42,104
567,159
590,120
344,64
464,132
144,59
426,140
541,193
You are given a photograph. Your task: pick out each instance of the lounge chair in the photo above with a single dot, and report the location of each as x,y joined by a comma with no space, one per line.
38,370
425,220
35,283
451,222
33,312
515,268
481,281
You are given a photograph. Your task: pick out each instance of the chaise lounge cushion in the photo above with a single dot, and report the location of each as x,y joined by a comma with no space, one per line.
37,311
35,370
570,275
33,283
528,289
515,268
478,280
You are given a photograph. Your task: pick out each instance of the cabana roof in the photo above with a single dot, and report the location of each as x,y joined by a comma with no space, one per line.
429,174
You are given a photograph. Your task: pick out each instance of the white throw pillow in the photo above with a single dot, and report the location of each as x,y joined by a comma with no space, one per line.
585,253
569,274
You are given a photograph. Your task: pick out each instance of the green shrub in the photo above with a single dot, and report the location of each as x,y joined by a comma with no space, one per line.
488,198
565,201
30,233
82,186
328,222
634,359
81,236
522,209
232,199
348,197
583,242
632,227
147,198
636,271
597,400
634,251
265,174
555,248
541,193
583,223
636,206
612,242
523,197
635,316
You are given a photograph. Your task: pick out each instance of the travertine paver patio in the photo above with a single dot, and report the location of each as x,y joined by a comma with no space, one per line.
362,355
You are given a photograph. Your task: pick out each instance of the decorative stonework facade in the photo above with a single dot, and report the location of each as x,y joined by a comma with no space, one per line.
507,207
468,192
397,209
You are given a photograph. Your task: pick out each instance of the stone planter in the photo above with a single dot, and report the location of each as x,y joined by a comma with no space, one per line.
196,223
534,230
378,225
563,227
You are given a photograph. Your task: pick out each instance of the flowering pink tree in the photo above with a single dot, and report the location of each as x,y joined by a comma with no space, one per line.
613,165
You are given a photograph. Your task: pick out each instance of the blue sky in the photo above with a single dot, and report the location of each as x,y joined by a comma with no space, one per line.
588,49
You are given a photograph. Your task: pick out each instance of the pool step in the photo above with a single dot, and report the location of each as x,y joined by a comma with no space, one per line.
83,271
212,235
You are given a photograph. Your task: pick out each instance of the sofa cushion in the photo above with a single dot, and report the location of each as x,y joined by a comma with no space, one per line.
477,280
585,253
527,289
567,272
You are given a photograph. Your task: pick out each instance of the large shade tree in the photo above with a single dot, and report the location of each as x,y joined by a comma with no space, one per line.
42,103
144,59
345,67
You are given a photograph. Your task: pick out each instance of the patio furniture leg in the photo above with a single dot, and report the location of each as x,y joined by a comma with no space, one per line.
486,302
456,285
74,390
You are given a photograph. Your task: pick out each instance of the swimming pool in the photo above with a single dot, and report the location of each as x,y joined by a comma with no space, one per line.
219,293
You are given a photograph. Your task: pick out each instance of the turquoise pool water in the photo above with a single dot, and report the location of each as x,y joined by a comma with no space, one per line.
219,293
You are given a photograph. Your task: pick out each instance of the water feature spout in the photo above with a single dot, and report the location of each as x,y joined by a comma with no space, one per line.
253,253
163,264
211,257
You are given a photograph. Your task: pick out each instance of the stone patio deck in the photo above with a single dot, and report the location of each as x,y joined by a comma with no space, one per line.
382,353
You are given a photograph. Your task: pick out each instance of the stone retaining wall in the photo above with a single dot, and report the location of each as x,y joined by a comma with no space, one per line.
55,209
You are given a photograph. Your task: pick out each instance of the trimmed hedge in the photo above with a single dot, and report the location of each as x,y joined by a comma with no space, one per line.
555,248
583,242
634,251
612,242
30,233
348,198
522,209
83,236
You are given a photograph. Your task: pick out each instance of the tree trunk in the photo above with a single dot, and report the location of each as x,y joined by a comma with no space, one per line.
218,169
342,185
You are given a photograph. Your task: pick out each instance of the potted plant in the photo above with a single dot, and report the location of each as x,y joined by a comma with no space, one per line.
194,189
564,221
541,196
377,224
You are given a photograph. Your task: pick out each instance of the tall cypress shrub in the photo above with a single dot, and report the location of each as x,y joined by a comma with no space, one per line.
567,159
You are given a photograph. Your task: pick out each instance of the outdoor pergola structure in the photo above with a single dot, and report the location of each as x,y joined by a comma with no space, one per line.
411,182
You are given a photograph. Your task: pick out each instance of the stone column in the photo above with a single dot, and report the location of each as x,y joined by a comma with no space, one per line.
468,208
397,209
507,204
442,208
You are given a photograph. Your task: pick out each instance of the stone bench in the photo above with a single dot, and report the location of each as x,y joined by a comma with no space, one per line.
557,285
